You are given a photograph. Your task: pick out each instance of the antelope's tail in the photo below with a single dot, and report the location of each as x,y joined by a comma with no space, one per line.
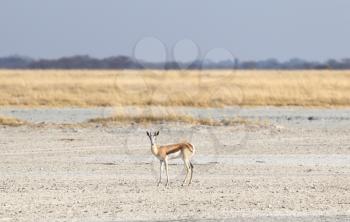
192,148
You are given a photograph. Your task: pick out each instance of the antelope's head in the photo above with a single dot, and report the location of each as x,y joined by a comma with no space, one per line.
152,137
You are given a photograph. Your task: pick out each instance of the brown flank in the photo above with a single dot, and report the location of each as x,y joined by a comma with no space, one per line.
173,148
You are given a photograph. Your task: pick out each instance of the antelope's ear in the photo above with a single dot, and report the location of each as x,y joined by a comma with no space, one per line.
147,133
157,133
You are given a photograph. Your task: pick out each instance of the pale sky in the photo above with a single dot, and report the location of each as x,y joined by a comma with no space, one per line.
249,29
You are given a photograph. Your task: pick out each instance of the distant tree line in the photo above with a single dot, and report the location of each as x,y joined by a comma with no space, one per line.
124,62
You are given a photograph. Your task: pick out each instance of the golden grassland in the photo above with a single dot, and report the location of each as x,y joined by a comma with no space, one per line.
143,119
187,119
10,121
203,88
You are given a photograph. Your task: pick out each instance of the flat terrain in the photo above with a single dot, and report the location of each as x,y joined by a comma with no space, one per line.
295,168
202,88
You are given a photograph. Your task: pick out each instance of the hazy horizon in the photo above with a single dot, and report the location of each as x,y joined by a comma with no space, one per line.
158,30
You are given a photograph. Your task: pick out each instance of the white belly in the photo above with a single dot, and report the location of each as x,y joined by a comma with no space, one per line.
175,155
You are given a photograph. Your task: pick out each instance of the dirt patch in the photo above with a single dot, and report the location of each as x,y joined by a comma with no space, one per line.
300,172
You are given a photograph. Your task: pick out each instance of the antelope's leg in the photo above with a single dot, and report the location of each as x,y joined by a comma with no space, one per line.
166,171
191,165
160,172
187,165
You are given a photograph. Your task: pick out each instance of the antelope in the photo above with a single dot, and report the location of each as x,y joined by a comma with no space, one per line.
173,151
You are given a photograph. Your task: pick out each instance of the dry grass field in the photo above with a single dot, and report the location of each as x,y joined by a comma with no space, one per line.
58,88
10,121
170,118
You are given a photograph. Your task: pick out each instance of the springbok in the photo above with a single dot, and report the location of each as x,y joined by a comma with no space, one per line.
164,153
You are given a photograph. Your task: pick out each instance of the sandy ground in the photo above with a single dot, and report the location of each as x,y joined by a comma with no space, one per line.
295,169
